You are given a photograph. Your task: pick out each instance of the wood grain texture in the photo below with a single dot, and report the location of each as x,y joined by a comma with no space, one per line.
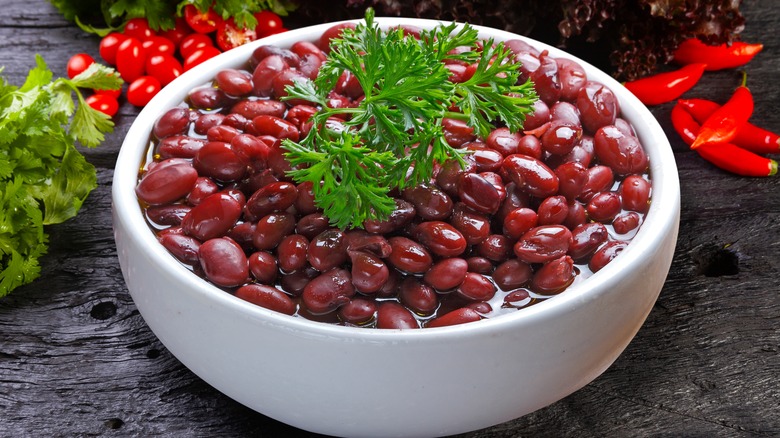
76,358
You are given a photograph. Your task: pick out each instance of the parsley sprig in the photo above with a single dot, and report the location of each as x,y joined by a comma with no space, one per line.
44,179
394,136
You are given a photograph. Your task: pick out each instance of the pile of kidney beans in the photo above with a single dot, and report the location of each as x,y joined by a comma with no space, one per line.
531,213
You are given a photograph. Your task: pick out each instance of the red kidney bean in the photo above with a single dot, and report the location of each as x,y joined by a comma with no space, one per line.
586,238
304,48
539,116
222,133
273,126
514,199
567,113
359,240
295,282
184,248
328,291
224,262
251,108
170,214
553,210
455,317
292,252
476,287
440,238
409,256
518,298
179,146
554,276
262,52
267,296
310,66
531,175
369,272
271,229
217,160
234,82
561,137
543,243
496,248
328,250
357,311
600,179
447,177
166,183
598,106
208,98
624,154
530,145
418,297
207,121
487,160
286,78
635,193
266,71
519,221
300,114
175,121
391,315
546,80
626,222
473,226
572,177
573,78
235,120
605,254
203,188
429,201
504,141
480,265
446,274
213,217
242,234
263,266
604,206
305,202
274,197
249,148
478,193
277,163
498,184
312,225
512,274
577,215
457,132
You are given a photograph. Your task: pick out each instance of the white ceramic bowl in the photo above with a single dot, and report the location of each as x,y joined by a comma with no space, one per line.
362,382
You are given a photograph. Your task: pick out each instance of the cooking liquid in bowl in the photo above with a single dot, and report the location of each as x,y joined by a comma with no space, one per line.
531,214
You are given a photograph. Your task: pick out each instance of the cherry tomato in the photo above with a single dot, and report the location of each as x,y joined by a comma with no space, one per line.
164,68
230,36
111,93
200,55
201,22
268,23
130,57
142,90
158,45
139,29
108,46
78,63
193,42
179,31
103,103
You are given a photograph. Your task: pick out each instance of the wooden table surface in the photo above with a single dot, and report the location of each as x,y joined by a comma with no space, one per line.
77,359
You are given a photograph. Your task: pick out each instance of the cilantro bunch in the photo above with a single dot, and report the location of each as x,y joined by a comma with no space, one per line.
44,179
394,135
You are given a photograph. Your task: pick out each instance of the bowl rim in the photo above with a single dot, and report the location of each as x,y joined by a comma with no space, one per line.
661,217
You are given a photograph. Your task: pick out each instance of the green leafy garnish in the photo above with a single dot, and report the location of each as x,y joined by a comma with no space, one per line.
394,136
44,179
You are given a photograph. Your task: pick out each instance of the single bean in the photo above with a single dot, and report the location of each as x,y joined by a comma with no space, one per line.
224,262
446,274
554,276
418,297
328,291
271,229
212,217
409,256
391,315
476,287
543,244
512,274
263,266
268,297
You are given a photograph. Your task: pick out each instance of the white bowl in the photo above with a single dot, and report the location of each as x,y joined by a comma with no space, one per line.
361,382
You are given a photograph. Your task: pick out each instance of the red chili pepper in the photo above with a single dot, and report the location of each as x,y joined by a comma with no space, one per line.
726,156
749,136
717,57
667,86
722,125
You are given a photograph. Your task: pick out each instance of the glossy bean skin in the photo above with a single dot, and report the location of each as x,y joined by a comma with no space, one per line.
531,175
554,276
598,106
457,132
213,217
409,256
635,193
496,248
208,98
561,137
358,240
566,112
627,222
369,272
179,146
265,73
440,238
572,77
166,183
357,311
328,291
476,287
605,254
171,214
624,154
234,82
530,145
292,251
553,210
480,265
600,179
207,121
328,250
249,148
311,225
446,274
271,229
572,177
274,197
217,160
473,226
546,80
391,315
519,221
539,116
294,283
455,317
184,248
223,262
504,141
402,215
417,296
429,201
273,126
543,244
586,238
251,108
203,188
518,298
478,193
267,296
263,267
604,206
175,121
577,215
512,274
